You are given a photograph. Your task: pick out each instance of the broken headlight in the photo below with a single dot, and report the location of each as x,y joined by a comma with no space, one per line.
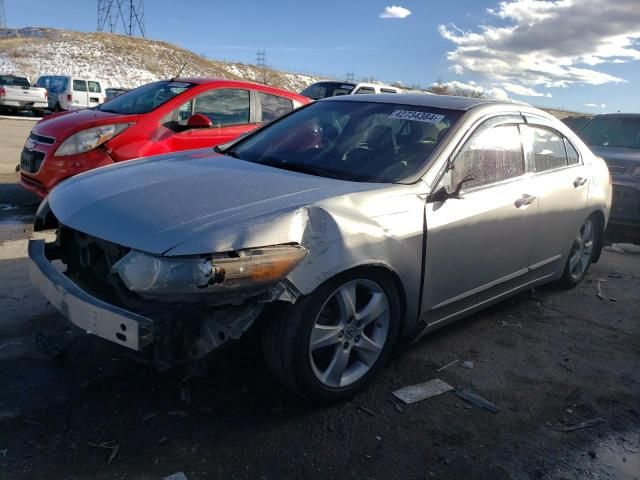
145,273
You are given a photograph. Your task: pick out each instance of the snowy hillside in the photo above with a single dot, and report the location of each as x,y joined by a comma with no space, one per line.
122,61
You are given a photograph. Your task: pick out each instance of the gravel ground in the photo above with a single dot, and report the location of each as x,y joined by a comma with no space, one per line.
547,359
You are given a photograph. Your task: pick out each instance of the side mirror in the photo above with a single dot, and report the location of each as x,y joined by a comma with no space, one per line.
442,194
199,121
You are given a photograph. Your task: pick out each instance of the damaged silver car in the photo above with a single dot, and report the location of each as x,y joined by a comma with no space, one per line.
346,229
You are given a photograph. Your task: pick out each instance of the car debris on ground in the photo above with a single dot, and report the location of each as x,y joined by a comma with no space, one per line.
422,391
467,364
582,425
447,365
599,289
113,449
176,476
475,399
624,248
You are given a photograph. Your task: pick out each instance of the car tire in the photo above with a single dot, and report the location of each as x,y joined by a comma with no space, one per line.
305,344
582,252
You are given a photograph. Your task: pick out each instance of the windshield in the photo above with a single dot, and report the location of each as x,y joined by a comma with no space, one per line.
327,89
357,141
146,98
605,131
10,80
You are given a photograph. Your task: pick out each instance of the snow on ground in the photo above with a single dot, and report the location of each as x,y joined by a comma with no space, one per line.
121,61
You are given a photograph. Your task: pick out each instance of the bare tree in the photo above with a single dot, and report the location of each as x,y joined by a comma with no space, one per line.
439,87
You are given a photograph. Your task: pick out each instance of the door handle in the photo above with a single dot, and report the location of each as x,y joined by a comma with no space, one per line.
524,201
578,182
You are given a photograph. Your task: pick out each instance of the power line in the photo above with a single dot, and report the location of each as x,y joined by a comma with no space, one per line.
128,13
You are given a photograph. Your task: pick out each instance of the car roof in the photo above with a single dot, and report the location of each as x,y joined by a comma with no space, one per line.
436,101
238,83
619,115
207,80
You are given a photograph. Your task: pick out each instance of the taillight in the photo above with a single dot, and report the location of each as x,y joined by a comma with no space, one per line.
3,92
46,95
69,97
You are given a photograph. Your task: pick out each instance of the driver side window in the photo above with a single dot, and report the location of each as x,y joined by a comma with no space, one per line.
492,154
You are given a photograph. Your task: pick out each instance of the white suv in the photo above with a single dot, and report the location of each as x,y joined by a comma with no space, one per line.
319,90
70,93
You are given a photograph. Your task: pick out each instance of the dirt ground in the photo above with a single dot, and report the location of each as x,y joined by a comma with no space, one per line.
549,359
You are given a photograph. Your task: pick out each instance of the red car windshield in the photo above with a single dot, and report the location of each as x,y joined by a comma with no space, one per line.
146,98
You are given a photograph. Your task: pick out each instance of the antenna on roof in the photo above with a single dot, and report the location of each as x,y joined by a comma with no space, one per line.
180,72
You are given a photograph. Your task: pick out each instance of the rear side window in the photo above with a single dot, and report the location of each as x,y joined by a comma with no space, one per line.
387,90
13,81
572,154
491,155
94,87
274,106
79,86
365,90
53,84
548,149
224,106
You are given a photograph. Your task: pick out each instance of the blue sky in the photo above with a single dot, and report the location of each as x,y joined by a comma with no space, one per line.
555,53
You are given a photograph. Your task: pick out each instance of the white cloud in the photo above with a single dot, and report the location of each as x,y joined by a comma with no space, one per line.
595,105
524,91
395,11
455,87
548,43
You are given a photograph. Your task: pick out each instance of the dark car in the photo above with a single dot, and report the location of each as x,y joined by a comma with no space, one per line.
576,123
115,92
616,138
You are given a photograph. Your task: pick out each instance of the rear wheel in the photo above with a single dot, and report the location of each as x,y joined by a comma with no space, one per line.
330,344
582,252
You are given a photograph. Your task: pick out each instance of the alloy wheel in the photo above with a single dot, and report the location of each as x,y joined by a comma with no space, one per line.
349,333
582,249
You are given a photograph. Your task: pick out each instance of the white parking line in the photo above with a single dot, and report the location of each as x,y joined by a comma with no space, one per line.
28,119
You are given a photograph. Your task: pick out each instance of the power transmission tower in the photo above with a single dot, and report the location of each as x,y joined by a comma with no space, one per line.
3,18
129,13
350,76
261,58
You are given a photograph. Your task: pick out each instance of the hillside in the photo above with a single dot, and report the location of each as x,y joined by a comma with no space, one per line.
121,61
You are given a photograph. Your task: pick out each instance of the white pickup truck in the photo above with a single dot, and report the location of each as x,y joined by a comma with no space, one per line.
16,93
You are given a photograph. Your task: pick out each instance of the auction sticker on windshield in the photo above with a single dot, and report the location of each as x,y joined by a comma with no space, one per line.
416,116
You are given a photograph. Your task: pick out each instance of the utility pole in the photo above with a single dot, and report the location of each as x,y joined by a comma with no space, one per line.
261,58
3,18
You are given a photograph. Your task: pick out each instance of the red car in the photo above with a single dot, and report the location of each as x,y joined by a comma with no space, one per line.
156,118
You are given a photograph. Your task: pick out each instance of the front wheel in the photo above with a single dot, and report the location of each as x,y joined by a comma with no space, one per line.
330,344
582,252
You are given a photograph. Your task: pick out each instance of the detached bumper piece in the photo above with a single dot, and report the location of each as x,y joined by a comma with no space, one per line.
83,310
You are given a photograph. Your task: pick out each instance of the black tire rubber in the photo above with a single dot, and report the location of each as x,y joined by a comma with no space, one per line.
567,281
286,332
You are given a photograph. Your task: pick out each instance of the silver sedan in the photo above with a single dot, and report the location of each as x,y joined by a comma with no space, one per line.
345,228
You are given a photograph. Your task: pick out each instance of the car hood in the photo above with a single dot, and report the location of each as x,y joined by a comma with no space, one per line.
192,203
60,126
